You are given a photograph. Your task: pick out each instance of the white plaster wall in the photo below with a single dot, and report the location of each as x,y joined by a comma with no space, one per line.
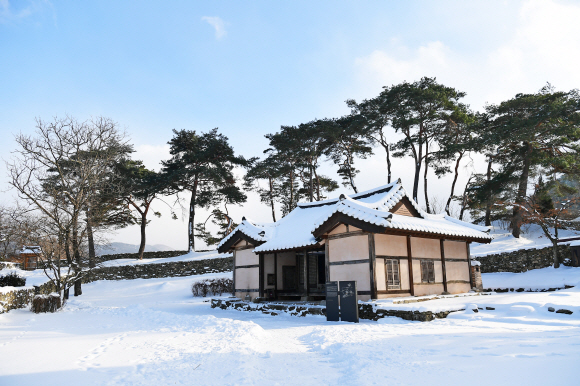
349,248
404,269
421,247
358,272
247,278
341,228
428,289
390,245
458,288
457,270
381,278
246,257
455,249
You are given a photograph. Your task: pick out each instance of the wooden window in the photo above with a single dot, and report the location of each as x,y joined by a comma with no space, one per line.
392,271
427,271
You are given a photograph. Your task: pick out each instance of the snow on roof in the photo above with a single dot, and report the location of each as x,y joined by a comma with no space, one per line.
31,249
256,231
372,206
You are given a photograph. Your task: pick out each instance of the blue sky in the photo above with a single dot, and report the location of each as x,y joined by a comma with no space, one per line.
249,67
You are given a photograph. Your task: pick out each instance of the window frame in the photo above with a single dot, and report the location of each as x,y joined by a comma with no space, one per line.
397,280
428,271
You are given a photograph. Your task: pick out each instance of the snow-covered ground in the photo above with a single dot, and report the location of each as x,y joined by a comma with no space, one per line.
503,241
152,332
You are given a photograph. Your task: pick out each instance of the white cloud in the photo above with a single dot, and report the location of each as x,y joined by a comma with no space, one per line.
543,46
8,12
218,24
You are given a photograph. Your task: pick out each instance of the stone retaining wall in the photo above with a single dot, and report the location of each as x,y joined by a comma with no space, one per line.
158,270
366,311
521,260
21,297
146,255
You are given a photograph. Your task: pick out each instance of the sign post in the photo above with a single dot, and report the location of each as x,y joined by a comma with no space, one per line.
332,309
348,302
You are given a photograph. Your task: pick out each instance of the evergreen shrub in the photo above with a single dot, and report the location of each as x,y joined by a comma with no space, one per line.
12,279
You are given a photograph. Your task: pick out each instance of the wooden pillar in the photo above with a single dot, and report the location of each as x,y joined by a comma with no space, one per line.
261,274
410,260
471,284
275,275
327,260
442,242
372,266
234,275
305,273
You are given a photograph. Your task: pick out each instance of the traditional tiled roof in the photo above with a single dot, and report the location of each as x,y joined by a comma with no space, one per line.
373,207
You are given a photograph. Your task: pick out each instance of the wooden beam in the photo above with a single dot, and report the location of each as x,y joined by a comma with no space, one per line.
275,275
441,243
471,284
327,260
305,273
261,274
234,275
372,266
410,260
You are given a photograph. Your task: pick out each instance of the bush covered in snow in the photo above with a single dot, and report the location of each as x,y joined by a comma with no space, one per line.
45,303
12,279
212,287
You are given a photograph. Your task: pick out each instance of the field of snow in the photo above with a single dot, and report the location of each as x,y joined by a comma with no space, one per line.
503,241
152,332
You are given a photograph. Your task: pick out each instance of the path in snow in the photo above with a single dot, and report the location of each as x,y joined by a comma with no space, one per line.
152,332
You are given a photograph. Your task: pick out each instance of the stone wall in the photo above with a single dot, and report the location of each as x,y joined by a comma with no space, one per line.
21,297
172,269
521,260
146,255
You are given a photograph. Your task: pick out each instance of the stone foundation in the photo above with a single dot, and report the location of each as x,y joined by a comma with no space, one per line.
366,311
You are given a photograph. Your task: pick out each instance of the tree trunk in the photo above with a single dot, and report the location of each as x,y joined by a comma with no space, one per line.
521,194
418,162
489,202
291,191
91,242
311,185
555,253
386,146
143,225
317,185
425,179
77,257
448,205
272,198
191,222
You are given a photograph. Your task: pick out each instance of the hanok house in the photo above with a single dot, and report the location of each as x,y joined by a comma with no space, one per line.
29,257
380,238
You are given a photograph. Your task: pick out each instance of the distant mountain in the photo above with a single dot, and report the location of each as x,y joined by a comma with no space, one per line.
114,248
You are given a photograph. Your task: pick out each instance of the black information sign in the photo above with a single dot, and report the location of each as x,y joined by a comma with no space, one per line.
332,310
348,302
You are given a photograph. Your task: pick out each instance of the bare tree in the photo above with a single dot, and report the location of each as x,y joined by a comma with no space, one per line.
58,170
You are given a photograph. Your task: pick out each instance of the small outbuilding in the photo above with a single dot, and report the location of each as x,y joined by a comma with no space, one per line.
381,238
29,257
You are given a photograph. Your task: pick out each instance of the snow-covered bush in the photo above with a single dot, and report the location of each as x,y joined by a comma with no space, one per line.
45,303
12,279
212,287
